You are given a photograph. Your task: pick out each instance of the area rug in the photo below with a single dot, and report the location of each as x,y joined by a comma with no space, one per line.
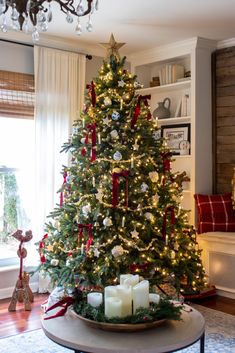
220,337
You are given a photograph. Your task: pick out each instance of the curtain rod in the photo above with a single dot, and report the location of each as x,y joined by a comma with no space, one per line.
88,56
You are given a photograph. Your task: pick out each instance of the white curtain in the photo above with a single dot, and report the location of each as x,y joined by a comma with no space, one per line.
59,91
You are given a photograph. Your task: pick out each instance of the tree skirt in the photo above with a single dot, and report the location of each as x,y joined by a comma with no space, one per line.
220,337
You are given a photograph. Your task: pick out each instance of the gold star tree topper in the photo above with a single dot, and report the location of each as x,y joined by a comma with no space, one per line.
112,47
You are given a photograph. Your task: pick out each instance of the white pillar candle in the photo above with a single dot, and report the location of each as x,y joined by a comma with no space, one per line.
83,122
95,299
123,277
112,307
110,291
154,298
124,293
132,280
99,138
141,295
93,181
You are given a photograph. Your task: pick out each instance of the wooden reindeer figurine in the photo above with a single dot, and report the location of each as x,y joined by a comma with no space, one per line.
22,291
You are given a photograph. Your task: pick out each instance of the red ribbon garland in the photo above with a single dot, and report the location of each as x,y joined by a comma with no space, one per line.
62,194
65,303
166,161
92,129
92,93
80,234
125,174
42,246
170,210
137,109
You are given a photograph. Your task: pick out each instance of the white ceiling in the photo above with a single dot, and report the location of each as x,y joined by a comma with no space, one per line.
145,24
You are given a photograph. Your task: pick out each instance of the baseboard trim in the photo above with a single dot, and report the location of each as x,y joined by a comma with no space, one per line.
225,293
7,292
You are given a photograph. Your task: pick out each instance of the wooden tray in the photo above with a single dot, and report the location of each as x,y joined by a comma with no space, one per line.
119,327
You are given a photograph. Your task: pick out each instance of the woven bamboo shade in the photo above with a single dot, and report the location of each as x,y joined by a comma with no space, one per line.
16,95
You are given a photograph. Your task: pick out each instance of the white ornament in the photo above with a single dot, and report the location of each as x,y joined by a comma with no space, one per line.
99,195
136,146
114,134
154,176
83,140
157,135
106,121
68,262
75,130
155,199
68,179
137,84
117,156
144,187
117,251
107,222
176,246
107,101
115,115
54,262
121,83
86,209
135,234
96,252
149,216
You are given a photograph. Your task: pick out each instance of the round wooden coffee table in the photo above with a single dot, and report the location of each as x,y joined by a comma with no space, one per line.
70,332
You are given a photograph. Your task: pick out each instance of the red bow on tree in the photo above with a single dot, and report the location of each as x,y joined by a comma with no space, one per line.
62,194
125,174
80,235
92,129
92,93
42,246
168,210
166,161
137,109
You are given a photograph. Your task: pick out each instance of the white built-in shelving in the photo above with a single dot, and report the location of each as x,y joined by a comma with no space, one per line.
195,56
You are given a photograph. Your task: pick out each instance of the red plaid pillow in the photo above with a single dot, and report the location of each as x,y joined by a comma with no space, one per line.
215,213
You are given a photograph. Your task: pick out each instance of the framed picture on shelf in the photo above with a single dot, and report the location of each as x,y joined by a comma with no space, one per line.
174,135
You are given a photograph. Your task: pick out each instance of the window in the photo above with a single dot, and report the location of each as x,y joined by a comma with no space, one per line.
16,160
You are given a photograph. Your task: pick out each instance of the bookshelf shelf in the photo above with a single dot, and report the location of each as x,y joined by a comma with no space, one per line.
174,120
165,88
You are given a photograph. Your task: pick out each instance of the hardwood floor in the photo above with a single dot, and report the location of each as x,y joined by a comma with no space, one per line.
12,323
19,321
223,304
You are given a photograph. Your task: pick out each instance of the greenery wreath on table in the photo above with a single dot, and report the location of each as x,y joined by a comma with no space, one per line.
165,309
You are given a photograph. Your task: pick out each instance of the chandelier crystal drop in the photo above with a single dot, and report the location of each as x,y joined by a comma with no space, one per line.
21,14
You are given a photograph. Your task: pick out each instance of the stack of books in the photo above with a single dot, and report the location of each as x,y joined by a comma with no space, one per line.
170,73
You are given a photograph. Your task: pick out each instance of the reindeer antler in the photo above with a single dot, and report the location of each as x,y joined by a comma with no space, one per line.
18,234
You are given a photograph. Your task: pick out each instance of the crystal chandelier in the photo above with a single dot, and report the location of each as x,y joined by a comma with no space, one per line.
38,13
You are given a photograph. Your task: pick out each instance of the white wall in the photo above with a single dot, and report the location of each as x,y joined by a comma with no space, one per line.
19,58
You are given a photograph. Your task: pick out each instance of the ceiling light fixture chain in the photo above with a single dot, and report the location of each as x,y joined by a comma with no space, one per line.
40,14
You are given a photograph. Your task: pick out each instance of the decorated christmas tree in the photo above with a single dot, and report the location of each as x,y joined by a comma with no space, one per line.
119,210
